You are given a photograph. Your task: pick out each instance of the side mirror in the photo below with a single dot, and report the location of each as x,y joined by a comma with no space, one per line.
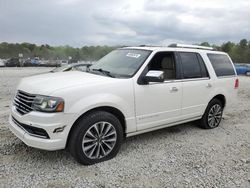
154,76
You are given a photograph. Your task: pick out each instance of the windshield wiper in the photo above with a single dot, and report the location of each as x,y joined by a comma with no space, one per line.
105,72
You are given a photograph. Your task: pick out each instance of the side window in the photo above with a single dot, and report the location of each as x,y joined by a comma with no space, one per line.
165,62
204,71
221,64
190,65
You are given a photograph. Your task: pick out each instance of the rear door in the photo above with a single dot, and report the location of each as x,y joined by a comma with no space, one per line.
196,84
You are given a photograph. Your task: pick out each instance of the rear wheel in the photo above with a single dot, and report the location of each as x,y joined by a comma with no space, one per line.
213,114
248,73
95,138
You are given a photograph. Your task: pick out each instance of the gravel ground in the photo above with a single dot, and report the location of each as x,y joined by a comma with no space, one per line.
180,156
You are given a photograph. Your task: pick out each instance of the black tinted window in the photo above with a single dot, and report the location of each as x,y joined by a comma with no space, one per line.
204,71
190,65
221,64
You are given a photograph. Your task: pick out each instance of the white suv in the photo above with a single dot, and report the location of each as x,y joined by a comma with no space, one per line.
130,91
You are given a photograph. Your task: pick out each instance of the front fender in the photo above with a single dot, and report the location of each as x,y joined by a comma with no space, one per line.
108,100
98,100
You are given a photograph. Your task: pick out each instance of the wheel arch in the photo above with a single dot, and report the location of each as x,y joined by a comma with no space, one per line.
116,112
220,97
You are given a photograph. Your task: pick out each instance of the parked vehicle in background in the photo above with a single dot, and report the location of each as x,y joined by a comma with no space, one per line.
27,63
242,69
2,63
53,63
63,62
128,92
35,61
70,67
72,61
13,62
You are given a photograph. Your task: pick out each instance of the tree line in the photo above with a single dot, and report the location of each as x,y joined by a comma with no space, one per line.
239,52
47,52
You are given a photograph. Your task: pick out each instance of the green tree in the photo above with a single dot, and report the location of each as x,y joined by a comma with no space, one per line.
227,47
205,44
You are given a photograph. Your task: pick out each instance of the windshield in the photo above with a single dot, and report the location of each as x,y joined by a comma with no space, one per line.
121,62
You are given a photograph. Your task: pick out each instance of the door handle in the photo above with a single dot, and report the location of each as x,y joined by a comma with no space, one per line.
209,85
174,89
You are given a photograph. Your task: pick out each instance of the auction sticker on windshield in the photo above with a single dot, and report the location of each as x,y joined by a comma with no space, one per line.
133,55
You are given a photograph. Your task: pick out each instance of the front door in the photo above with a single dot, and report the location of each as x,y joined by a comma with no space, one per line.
159,103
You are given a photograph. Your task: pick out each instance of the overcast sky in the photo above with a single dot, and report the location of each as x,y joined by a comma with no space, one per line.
123,22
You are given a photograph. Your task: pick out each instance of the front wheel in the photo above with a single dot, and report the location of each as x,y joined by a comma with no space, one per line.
95,138
213,115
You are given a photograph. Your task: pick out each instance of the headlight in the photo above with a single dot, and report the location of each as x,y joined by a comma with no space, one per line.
48,104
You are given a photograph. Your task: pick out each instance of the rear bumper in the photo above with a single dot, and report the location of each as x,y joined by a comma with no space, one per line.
46,121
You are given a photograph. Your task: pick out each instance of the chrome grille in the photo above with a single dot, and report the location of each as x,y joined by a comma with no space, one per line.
23,102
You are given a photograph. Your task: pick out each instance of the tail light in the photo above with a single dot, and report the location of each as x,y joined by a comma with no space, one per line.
236,84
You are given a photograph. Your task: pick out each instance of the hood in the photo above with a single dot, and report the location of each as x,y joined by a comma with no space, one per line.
45,84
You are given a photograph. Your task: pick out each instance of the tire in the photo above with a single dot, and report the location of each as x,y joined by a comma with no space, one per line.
248,73
213,115
96,137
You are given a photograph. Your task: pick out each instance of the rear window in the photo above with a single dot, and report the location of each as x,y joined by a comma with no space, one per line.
221,64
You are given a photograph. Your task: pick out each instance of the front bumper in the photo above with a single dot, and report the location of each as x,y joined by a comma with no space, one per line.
46,121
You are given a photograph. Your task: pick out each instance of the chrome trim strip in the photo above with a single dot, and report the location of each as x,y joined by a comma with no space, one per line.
18,97
180,80
25,93
162,126
28,97
231,76
17,100
195,79
188,46
22,110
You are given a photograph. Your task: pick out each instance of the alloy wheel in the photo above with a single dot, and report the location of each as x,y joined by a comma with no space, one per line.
214,115
99,140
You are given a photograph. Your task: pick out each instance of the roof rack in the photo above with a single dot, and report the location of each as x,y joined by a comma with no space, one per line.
190,46
146,45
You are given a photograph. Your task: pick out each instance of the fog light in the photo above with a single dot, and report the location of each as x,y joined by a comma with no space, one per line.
59,129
